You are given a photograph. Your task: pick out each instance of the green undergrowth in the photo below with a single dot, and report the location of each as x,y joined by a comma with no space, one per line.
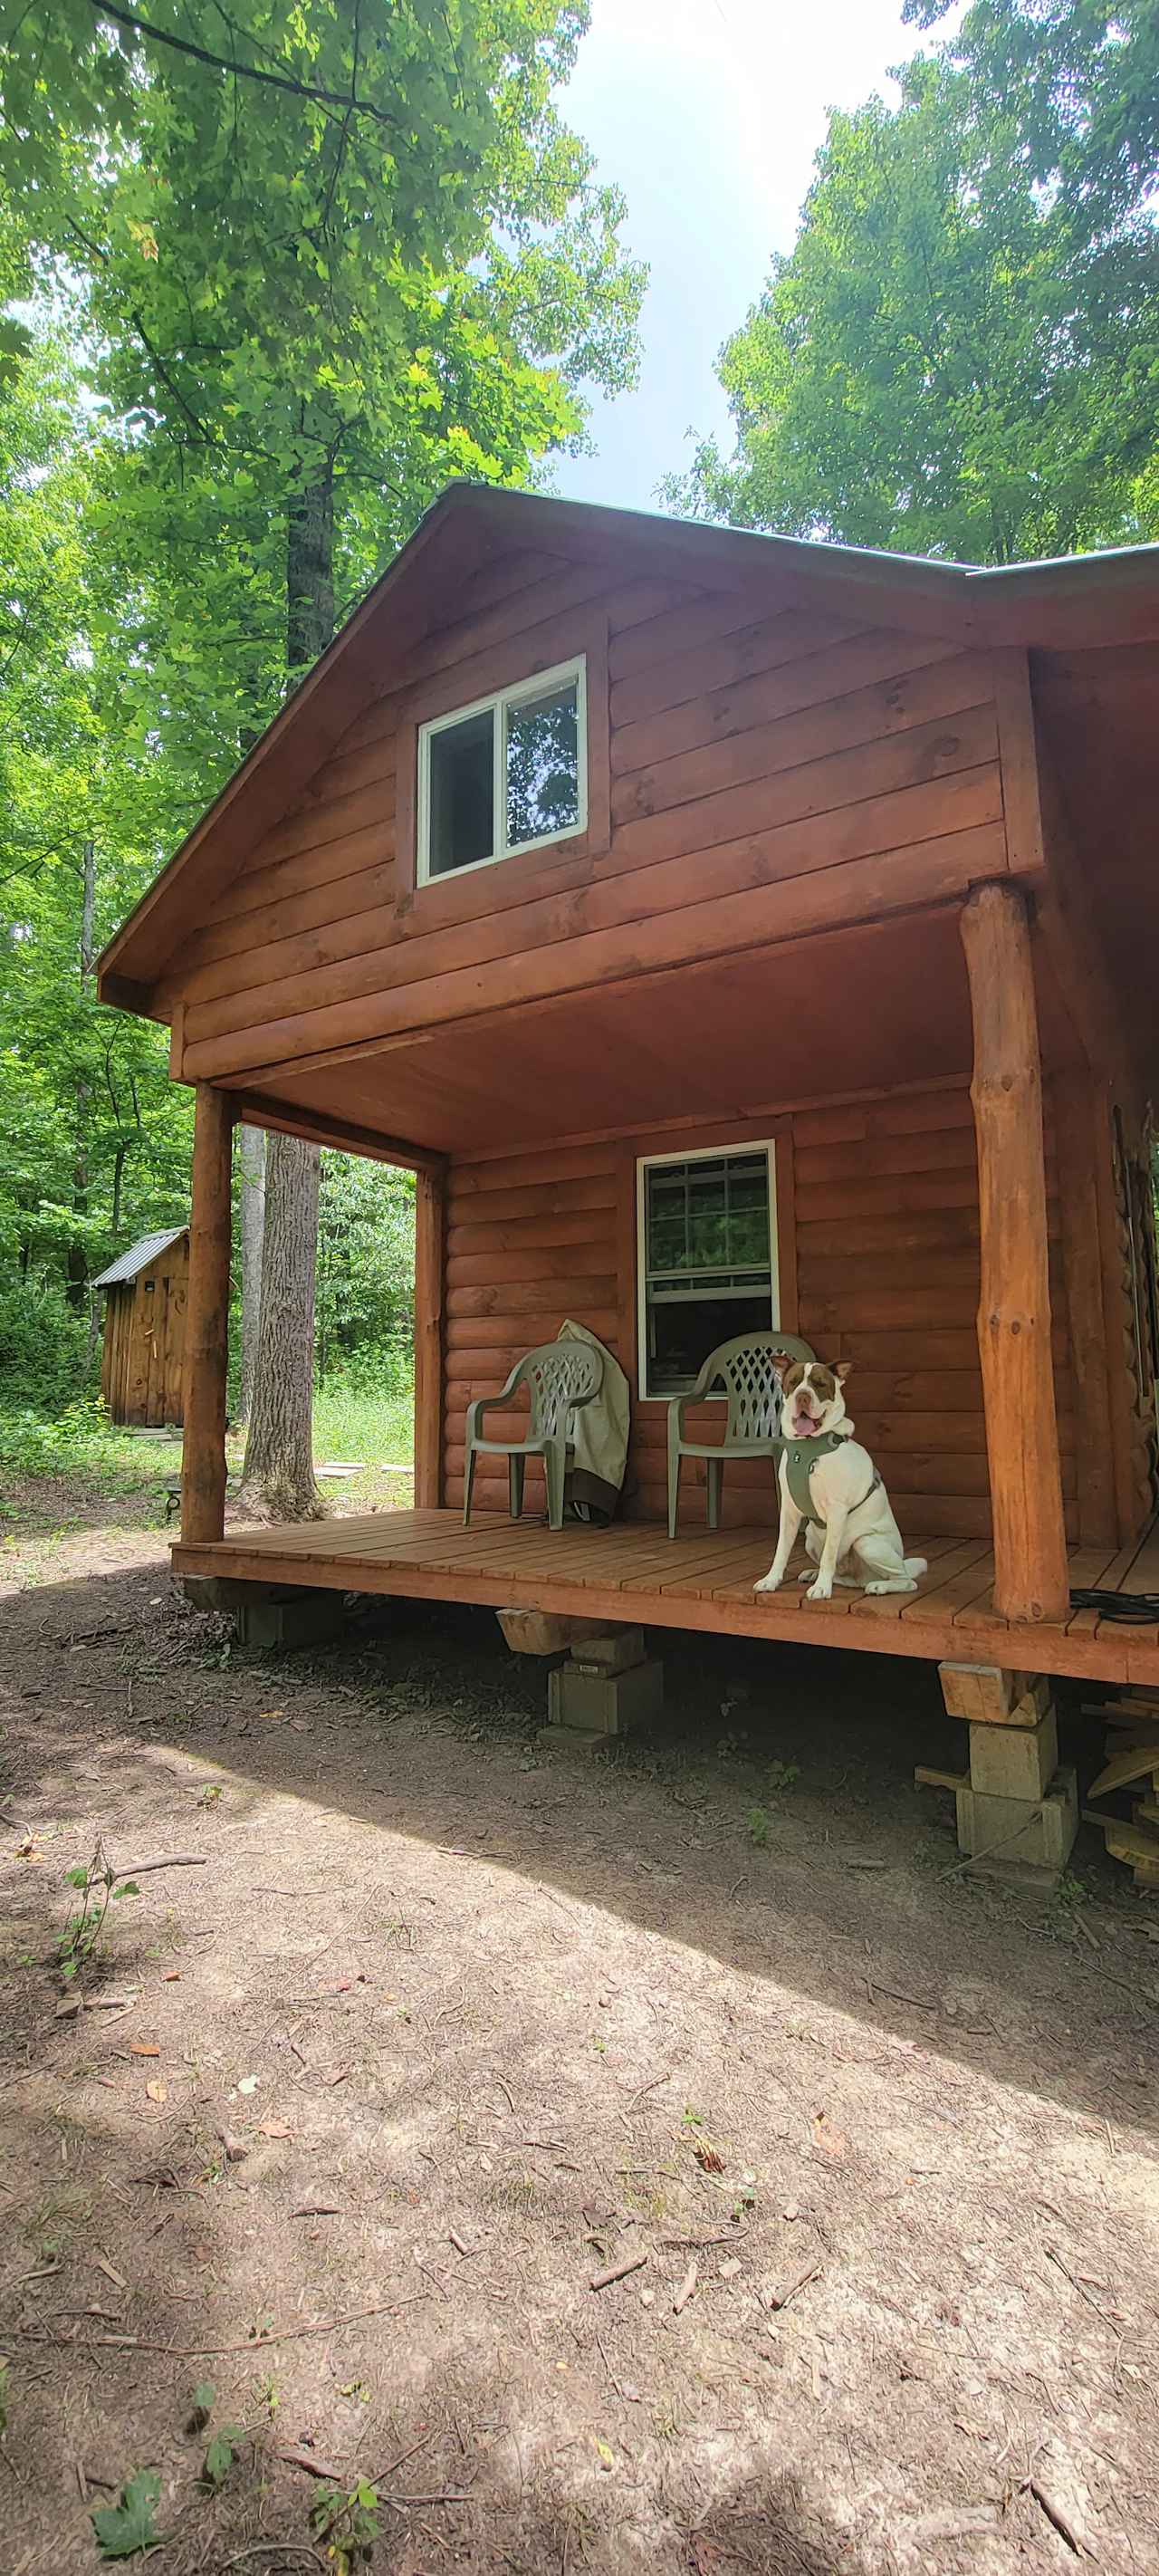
78,1444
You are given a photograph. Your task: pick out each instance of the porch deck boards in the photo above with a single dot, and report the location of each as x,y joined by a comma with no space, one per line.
633,1571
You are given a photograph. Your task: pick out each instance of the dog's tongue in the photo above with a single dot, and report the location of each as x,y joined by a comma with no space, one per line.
803,1426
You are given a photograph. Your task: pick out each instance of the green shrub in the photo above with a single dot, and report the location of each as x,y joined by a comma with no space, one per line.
44,1347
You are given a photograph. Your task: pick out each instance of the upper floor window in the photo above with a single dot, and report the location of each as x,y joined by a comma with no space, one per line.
508,773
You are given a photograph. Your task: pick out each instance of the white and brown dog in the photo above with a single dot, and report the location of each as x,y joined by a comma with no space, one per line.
829,1482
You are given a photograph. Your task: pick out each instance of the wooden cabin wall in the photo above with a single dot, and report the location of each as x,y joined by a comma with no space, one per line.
1131,1303
745,752
884,1246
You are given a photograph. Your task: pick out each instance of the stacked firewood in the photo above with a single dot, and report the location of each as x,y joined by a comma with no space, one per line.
1131,1777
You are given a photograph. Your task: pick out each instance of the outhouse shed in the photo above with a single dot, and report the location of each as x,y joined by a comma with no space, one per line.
143,1350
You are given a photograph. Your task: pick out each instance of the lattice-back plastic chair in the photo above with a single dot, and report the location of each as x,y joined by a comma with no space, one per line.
743,1371
558,1376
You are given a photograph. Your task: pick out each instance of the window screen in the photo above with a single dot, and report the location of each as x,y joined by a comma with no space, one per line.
708,1260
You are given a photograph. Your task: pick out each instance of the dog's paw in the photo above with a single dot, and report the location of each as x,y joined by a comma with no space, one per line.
820,1590
768,1583
890,1586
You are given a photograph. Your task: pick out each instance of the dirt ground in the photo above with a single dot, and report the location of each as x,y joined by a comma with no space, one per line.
353,2115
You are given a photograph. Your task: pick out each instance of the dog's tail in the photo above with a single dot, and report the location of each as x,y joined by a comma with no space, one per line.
915,1565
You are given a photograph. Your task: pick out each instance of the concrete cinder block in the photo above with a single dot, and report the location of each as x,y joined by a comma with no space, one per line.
608,1702
1014,1761
297,1618
1021,1829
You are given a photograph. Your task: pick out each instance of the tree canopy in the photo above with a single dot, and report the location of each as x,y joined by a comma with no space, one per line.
961,353
270,277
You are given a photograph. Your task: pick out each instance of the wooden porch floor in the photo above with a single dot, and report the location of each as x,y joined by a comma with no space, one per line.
634,1573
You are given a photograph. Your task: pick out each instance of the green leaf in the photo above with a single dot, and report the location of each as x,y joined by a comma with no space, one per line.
219,2458
201,2403
124,2528
125,1887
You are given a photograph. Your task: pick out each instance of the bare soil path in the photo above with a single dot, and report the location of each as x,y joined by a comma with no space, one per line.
350,2119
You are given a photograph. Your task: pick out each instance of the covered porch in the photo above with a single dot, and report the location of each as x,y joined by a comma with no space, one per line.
632,1573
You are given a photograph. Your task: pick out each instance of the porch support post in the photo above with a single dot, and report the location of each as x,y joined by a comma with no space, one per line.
1030,1564
207,1321
430,1278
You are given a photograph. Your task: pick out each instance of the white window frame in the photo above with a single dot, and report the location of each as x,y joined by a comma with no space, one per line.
540,684
697,1154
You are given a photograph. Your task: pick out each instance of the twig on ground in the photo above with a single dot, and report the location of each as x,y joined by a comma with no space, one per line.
296,2459
780,2298
618,2272
642,2089
686,2289
696,2244
276,2549
249,2343
1054,2514
176,1860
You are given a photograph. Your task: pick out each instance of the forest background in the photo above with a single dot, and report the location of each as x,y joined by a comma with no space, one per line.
270,276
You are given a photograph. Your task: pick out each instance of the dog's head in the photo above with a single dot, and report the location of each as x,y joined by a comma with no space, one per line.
812,1397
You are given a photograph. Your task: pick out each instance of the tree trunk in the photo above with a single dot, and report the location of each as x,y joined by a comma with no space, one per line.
251,1168
278,1475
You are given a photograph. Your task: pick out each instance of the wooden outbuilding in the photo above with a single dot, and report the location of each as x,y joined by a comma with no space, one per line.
143,1348
721,926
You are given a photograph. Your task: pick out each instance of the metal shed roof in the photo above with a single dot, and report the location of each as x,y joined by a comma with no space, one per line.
138,1257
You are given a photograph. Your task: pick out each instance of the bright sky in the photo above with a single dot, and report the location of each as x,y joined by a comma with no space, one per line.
707,113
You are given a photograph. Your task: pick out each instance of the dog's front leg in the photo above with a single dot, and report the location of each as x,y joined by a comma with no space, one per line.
821,1589
786,1541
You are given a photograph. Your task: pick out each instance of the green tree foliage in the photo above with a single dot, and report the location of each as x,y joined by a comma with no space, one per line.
96,1139
300,267
956,358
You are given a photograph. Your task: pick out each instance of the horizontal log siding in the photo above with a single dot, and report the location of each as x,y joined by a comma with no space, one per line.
889,1285
769,774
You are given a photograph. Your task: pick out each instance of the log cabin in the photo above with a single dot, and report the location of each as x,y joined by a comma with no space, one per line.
608,866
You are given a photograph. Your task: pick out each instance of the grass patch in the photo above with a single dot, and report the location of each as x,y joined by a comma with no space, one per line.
350,1423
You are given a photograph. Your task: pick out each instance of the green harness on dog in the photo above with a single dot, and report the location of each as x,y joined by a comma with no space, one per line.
801,1456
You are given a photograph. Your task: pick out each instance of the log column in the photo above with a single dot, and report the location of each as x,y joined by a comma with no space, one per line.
1030,1564
207,1321
430,1276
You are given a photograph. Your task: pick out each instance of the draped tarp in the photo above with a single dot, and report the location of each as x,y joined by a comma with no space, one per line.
600,1433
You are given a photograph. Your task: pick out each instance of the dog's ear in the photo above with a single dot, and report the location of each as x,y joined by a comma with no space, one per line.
842,1370
782,1360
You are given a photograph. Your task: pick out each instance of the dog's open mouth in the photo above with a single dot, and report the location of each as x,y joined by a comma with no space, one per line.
802,1423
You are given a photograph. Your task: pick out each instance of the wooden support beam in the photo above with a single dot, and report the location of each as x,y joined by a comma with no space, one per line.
1030,1568
207,1321
252,1109
430,1300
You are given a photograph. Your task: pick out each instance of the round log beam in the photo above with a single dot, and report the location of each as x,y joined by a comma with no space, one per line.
1030,1559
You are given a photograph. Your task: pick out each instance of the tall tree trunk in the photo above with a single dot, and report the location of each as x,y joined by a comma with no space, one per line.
278,1476
78,1260
250,1164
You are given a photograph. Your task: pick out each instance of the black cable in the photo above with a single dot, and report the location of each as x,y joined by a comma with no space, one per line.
1131,1609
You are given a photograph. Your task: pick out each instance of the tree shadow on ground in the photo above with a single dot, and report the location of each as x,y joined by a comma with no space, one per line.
843,1885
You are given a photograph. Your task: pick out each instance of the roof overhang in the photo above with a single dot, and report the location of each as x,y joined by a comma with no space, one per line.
1079,602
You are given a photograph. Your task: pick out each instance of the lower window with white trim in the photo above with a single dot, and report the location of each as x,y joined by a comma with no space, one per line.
707,1265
